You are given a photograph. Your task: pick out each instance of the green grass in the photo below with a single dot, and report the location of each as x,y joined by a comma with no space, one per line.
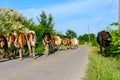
39,49
101,68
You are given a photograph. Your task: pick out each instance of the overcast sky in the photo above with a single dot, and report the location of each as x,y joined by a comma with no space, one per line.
76,15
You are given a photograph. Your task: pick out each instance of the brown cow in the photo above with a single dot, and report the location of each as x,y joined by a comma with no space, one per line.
55,42
31,41
20,43
66,43
4,45
11,40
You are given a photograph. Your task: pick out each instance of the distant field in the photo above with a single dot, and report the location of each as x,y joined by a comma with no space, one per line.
101,68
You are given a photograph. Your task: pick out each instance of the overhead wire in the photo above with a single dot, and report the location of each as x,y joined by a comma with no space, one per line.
102,19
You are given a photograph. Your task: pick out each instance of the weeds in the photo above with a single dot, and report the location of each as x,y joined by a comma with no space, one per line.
101,68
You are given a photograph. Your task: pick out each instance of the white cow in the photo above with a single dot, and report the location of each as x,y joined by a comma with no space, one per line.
74,43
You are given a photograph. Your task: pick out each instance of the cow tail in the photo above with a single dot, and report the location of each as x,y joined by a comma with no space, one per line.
26,39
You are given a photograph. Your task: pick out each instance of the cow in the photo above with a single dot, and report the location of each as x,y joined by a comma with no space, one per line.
68,43
65,43
31,41
55,42
103,39
20,43
4,45
11,47
23,40
46,38
74,43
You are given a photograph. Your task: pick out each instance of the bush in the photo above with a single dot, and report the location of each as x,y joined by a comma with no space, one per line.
115,44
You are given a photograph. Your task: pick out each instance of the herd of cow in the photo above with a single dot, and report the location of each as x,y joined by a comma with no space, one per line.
50,41
14,44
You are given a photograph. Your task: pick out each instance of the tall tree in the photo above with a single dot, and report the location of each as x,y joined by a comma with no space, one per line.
71,34
46,22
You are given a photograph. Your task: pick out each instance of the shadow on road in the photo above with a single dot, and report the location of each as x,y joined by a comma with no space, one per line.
27,56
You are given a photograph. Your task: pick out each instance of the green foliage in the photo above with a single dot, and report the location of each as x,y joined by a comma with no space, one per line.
84,39
46,23
39,48
13,21
115,24
71,34
101,68
10,20
115,44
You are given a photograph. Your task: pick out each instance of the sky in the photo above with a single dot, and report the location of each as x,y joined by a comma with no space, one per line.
76,15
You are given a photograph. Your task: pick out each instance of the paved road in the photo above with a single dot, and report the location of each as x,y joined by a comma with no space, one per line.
62,65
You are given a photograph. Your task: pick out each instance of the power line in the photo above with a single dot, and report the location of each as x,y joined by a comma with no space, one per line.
89,33
106,12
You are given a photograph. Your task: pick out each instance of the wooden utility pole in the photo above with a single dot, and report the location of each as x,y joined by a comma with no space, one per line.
119,11
89,34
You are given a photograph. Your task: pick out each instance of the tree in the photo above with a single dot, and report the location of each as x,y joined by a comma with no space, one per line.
71,34
28,23
10,20
84,38
115,24
46,23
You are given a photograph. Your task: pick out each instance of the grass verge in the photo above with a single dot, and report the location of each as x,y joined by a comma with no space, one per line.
101,68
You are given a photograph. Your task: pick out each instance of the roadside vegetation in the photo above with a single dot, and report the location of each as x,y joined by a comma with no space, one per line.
101,68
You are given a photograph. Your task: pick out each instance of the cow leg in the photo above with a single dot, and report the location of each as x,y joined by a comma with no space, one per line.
101,50
20,54
29,49
58,47
46,49
106,52
6,53
33,52
50,47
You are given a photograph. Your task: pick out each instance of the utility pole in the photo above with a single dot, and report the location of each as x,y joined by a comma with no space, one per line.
89,34
119,11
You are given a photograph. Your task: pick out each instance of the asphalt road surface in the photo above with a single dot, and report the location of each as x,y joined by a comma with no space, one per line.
62,65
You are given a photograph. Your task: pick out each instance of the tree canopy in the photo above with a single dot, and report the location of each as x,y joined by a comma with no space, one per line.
10,20
71,34
46,22
84,38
